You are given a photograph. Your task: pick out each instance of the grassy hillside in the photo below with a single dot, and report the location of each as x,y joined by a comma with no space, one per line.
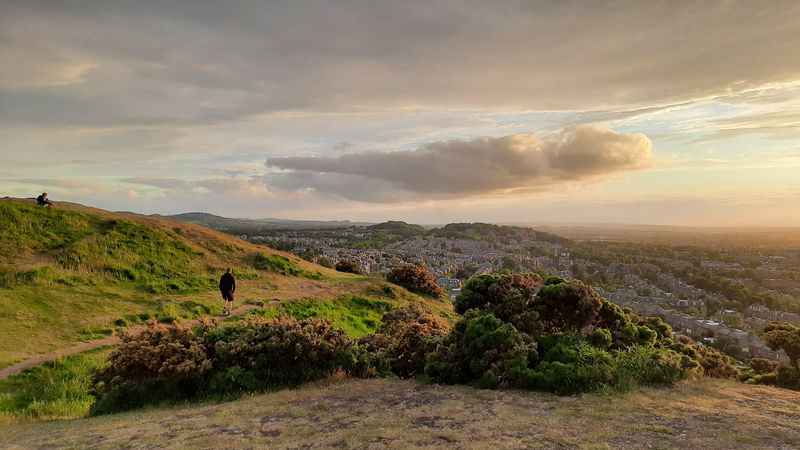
73,273
382,413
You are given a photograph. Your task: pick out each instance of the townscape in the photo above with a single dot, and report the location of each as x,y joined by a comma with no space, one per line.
743,289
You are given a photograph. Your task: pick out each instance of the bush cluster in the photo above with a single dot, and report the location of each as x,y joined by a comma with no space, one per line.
348,266
778,336
404,340
558,335
415,278
173,362
515,330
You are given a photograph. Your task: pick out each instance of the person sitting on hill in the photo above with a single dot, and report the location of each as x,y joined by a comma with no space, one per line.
227,286
42,200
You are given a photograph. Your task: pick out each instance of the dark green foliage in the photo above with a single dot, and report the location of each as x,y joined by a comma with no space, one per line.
601,338
482,349
788,377
508,297
416,278
568,306
570,365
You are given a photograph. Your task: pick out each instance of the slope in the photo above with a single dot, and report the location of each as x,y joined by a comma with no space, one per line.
73,273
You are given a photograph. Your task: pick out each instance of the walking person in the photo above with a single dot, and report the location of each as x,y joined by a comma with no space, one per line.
227,286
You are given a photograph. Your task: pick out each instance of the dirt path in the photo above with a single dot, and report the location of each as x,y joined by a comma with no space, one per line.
38,360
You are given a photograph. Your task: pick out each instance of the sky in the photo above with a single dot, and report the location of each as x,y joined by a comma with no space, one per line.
658,112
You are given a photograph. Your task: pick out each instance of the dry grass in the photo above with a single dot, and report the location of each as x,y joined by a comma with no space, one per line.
362,414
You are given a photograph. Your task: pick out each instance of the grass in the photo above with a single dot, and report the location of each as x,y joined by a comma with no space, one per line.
356,316
385,413
57,390
282,265
72,273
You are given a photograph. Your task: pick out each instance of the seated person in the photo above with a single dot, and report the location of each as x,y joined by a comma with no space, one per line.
42,200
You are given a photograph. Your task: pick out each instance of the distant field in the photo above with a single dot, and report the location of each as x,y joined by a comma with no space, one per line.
361,414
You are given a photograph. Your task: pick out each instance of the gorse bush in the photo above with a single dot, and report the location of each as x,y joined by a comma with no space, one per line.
415,278
559,335
174,362
282,351
515,331
161,361
482,349
405,338
509,297
348,266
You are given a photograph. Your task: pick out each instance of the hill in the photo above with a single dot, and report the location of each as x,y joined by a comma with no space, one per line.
243,226
74,273
381,413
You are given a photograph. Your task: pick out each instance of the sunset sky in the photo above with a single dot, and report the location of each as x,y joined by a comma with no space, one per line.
645,112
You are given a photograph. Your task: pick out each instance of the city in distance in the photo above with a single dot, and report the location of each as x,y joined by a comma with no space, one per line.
365,225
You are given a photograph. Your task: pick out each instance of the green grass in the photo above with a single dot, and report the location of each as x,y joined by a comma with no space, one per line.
68,276
356,316
282,265
56,390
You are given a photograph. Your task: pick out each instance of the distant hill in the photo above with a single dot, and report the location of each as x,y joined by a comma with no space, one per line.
247,226
491,232
398,227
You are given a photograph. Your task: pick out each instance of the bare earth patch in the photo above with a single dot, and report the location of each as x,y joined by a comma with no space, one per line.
359,414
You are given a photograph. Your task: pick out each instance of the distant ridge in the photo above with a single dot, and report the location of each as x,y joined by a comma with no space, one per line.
243,225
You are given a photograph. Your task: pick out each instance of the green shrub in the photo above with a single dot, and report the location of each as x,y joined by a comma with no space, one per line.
415,278
157,363
570,367
645,365
482,350
788,377
601,338
282,351
709,361
784,336
509,297
567,307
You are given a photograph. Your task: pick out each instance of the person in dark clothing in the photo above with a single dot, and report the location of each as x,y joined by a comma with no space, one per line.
227,286
42,200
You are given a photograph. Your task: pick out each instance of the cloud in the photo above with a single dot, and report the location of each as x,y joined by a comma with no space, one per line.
462,168
193,62
250,187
